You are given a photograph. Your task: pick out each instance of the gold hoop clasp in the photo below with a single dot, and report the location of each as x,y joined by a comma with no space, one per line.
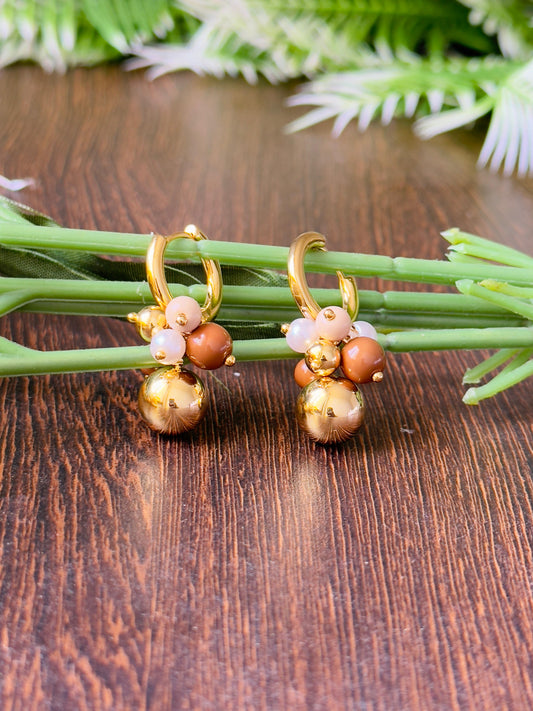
311,241
155,272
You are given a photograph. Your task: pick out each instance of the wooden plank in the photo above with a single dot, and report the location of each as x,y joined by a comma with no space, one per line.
241,566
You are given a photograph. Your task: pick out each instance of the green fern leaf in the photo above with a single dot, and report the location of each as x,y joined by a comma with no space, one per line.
62,33
212,51
511,21
306,37
124,23
307,25
447,94
509,141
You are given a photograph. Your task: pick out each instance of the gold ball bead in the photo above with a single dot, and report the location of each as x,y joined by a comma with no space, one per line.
172,401
330,410
323,358
148,321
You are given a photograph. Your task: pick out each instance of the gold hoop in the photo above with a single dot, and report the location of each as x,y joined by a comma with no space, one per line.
155,272
314,241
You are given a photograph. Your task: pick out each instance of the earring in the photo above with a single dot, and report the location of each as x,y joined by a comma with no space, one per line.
330,408
173,400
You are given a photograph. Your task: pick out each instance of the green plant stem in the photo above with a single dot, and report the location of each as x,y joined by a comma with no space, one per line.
477,318
475,374
10,301
522,292
462,339
100,298
7,347
387,310
29,362
138,294
253,255
474,246
392,321
458,258
382,319
478,253
511,303
506,379
517,361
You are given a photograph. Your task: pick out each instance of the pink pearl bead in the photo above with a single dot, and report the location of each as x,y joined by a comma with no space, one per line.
301,334
168,343
363,328
333,323
189,308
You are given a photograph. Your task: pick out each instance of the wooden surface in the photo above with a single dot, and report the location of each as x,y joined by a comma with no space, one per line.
243,567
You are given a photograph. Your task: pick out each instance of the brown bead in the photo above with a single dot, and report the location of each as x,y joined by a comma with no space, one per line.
302,374
361,358
208,346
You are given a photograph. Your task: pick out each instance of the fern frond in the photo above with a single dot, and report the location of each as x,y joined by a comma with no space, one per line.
448,94
305,37
124,23
404,86
509,141
62,33
390,24
234,40
212,51
511,21
510,135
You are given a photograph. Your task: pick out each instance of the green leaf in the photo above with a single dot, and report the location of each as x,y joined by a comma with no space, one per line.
306,37
62,33
69,264
511,21
454,92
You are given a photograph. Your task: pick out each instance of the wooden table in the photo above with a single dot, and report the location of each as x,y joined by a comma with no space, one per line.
243,567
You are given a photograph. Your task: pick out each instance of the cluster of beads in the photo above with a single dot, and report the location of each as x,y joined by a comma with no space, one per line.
361,358
179,331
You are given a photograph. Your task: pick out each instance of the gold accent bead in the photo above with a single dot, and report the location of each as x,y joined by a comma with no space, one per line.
329,314
181,319
230,360
148,321
160,355
323,358
378,377
285,328
192,230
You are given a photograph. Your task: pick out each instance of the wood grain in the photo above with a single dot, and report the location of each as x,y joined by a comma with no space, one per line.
243,567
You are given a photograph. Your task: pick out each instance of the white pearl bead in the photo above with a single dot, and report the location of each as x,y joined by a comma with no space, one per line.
183,306
333,323
168,343
301,334
363,328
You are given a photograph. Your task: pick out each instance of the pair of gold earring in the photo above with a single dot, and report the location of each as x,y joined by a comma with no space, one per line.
330,407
